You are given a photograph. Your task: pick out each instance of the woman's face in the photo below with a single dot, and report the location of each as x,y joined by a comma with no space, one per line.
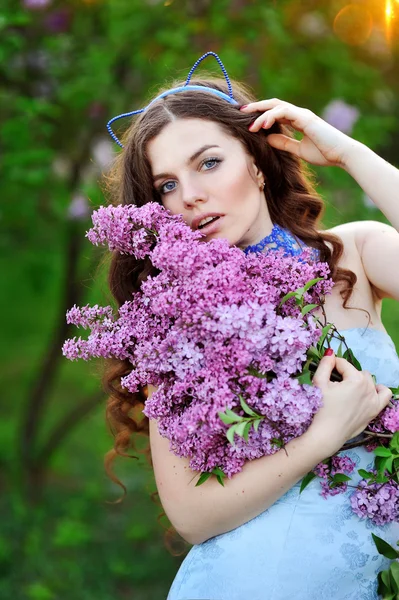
198,168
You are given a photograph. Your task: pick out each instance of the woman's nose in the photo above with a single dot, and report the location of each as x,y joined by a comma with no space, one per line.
192,192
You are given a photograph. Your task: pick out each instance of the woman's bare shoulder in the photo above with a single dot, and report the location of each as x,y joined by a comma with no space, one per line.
346,232
357,231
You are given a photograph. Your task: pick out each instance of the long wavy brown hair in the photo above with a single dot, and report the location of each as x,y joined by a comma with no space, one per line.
291,199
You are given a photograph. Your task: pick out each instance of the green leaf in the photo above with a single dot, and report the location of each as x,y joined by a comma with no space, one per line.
381,478
394,576
277,442
382,451
230,433
227,419
394,443
383,589
308,308
384,548
286,297
339,351
366,474
313,353
246,408
234,415
240,428
257,422
220,475
306,480
305,378
220,480
203,477
247,430
324,333
350,357
218,471
310,283
341,478
394,570
386,465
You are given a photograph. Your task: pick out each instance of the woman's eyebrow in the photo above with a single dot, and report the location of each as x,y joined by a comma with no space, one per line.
190,160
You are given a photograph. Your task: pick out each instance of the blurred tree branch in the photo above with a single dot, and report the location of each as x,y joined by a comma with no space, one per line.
65,425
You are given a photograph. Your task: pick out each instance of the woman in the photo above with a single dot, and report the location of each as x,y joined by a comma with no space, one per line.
202,156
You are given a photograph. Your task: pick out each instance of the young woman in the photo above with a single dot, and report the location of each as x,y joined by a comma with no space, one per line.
202,156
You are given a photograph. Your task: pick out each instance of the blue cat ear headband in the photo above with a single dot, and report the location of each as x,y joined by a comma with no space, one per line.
186,87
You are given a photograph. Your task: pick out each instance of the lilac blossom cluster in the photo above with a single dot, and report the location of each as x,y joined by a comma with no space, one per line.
376,501
326,470
386,422
208,331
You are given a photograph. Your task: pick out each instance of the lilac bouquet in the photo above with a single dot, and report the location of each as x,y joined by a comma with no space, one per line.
220,333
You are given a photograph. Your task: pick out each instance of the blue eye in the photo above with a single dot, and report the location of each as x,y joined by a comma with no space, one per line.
164,189
213,161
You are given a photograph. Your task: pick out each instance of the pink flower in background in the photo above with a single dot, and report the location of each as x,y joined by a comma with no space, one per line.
103,153
36,4
58,21
341,115
78,209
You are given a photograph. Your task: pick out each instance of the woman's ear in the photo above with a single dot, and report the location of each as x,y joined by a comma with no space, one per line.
260,178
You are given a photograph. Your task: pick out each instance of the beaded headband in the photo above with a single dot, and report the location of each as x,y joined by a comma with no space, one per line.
186,87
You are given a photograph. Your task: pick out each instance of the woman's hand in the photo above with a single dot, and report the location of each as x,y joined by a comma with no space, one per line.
348,405
322,144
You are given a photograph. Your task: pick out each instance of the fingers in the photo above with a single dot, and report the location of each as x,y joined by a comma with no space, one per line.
283,142
384,395
347,370
284,114
323,372
261,105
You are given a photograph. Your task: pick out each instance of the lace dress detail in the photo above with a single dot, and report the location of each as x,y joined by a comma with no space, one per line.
281,238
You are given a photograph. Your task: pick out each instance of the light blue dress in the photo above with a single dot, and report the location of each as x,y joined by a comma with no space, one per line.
304,547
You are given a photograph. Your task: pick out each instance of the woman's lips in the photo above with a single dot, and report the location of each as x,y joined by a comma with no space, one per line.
212,227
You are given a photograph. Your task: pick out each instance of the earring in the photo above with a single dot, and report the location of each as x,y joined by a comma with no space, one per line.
262,187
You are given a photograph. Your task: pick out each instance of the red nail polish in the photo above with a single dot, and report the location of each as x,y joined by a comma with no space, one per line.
250,127
329,352
243,106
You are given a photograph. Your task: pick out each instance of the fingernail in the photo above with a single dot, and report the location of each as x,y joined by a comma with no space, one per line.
329,352
250,127
243,106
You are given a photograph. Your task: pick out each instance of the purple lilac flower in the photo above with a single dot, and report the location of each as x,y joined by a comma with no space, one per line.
390,418
378,502
386,422
79,208
58,21
341,115
326,471
36,4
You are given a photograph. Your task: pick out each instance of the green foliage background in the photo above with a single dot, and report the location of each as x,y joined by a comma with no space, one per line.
66,69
